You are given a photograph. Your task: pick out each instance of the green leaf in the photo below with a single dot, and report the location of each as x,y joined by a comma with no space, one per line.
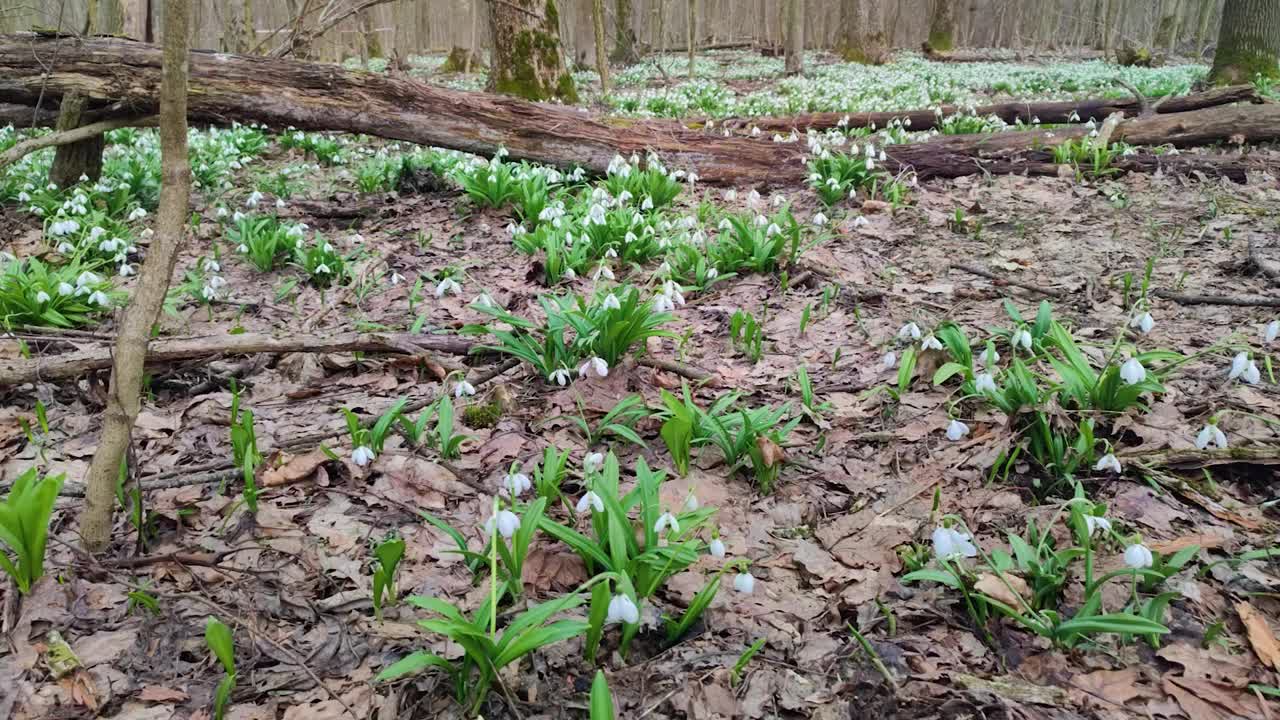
1111,623
601,699
947,371
412,664
938,576
218,637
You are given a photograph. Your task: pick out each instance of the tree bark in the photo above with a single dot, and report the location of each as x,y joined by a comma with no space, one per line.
1248,42
692,33
624,36
862,35
794,64
135,18
602,55
1207,8
528,61
942,21
124,394
79,159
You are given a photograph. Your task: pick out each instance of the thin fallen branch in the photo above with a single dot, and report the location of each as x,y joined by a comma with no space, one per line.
66,137
1182,299
72,365
685,371
1003,282
1189,458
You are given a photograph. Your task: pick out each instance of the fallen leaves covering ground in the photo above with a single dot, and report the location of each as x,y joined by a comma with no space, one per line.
295,584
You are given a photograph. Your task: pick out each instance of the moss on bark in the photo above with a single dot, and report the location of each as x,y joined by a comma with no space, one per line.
529,63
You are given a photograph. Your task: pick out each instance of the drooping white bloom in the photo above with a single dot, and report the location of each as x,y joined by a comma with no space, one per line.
744,583
126,270
1251,374
1022,339
99,298
1108,462
254,198
603,272
819,219
989,357
560,377
42,297
1211,435
666,520
362,455
323,269
890,360
593,461
65,289
137,213
594,367
590,500
716,548
506,521
1132,372
930,343
1143,322
956,430
910,331
1138,556
463,389
691,503
611,302
1271,332
516,484
622,610
210,265
861,221
448,286
1238,365
984,383
949,543
1095,523
595,216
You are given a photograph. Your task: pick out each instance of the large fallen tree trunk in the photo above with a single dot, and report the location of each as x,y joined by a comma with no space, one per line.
283,93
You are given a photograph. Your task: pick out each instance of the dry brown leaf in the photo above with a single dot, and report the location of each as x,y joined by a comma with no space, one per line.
161,694
1116,686
990,584
545,570
771,453
1261,637
289,469
79,685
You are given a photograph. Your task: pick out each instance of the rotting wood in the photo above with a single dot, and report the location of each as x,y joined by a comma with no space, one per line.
1235,301
1003,282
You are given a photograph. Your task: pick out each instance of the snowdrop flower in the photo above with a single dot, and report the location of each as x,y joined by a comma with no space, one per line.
217,282
930,343
662,303
712,273
448,286
463,389
42,297
126,270
362,455
1211,435
890,360
483,300
595,216
1108,462
949,543
559,377
279,203
323,269
1143,322
590,500
1271,332
744,583
1095,523
984,383
66,248
237,216
242,248
24,197
1244,368
772,230
396,278
137,213
665,521
716,548
622,610
97,232
1021,338
1251,374
910,331
254,198
516,483
989,357
1138,556
65,289
210,265
594,367
603,272
506,521
956,430
87,278
593,461
611,302
647,204
861,221
1132,372
691,503
725,225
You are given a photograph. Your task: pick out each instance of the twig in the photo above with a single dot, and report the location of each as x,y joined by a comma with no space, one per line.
1189,458
66,137
1001,282
1270,268
684,371
1246,301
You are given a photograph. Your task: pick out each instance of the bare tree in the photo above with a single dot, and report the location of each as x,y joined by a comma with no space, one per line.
134,334
942,22
795,37
602,56
692,34
862,34
1248,42
624,36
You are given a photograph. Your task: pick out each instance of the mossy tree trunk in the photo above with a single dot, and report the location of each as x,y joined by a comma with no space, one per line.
602,52
1248,42
372,45
81,159
942,25
1168,28
862,38
624,36
527,59
795,37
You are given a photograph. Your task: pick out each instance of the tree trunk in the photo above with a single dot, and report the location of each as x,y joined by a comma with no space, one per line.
602,55
863,39
135,17
80,159
692,34
942,23
527,58
795,37
1207,8
124,392
1167,28
369,34
1109,28
624,36
1248,42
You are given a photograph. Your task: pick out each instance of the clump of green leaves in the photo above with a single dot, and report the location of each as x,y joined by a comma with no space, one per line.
264,240
747,335
62,296
244,448
388,553
218,637
24,526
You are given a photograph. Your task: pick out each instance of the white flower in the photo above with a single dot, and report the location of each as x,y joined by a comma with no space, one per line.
611,302
559,377
1137,556
1251,374
1271,332
243,248
220,213
279,203
254,198
949,543
590,500
448,286
622,609
716,548
1132,372
595,216
910,331
890,360
210,265
772,230
1211,435
463,389
665,521
1021,338
362,455
691,503
99,298
237,216
1095,523
322,269
1143,322
137,213
516,483
592,461
1244,368
744,583
506,521
603,272
126,270
65,289
42,297
956,430
989,357
984,383
819,219
930,343
594,367
861,221
1108,462
216,282
647,204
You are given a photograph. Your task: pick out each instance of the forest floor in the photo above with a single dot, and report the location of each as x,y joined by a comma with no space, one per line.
867,475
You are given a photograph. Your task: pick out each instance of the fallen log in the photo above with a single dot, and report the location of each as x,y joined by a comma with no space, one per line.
308,96
74,364
1050,112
